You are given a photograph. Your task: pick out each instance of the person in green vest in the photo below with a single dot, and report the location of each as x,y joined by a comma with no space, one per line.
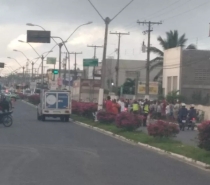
145,112
135,107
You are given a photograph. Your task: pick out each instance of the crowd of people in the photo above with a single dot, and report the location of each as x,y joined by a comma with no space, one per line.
155,109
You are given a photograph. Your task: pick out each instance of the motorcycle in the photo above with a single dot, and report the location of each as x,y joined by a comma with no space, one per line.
182,124
191,124
6,118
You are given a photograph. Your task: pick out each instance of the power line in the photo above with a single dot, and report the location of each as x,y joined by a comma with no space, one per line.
202,4
169,5
173,8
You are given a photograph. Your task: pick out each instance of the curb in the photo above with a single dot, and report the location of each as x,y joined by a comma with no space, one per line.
191,161
34,106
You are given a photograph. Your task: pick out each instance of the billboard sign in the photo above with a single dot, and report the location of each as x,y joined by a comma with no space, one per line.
90,62
153,88
51,60
37,36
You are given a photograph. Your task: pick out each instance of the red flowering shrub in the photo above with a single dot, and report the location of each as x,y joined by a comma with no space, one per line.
34,99
22,96
163,129
105,117
128,121
204,135
83,108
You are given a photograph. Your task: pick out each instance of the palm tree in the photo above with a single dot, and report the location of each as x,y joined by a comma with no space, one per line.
172,40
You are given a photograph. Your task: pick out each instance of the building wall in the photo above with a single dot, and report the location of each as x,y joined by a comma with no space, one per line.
128,69
195,73
171,70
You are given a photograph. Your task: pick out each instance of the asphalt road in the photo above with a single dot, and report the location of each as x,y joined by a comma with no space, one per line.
52,153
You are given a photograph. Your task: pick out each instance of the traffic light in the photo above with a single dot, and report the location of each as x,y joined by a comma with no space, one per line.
55,71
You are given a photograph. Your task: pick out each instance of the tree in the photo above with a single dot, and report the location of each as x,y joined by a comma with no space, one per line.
172,40
129,86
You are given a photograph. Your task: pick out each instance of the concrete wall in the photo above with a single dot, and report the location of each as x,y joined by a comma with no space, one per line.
125,67
195,73
171,68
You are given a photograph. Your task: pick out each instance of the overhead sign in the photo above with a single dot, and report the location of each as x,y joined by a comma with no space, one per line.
90,62
38,36
51,60
1,65
153,88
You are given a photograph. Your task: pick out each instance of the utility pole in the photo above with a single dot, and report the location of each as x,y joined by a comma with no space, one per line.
42,57
23,75
107,21
149,23
65,64
94,56
118,55
32,73
75,63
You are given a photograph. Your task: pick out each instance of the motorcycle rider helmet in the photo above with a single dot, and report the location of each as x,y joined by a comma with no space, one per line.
192,105
183,104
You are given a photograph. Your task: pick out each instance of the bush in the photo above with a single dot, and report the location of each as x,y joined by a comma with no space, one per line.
83,108
163,129
105,117
204,135
22,96
128,121
34,99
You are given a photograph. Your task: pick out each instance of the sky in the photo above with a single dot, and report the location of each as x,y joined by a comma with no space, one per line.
62,17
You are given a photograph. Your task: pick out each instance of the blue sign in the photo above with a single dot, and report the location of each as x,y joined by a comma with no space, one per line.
63,100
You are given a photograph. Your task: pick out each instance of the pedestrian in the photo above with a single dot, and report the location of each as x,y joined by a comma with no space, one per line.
108,104
135,107
145,112
115,107
182,117
158,111
122,105
176,110
167,111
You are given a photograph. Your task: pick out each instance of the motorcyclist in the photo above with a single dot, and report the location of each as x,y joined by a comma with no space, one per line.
182,117
191,116
4,104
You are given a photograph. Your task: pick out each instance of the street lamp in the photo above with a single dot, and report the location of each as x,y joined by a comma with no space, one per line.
61,44
15,60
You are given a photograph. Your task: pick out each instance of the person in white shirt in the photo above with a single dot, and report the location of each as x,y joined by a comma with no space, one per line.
168,110
122,105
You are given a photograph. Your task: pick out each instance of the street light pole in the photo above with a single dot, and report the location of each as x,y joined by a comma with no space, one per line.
32,73
42,57
23,75
60,48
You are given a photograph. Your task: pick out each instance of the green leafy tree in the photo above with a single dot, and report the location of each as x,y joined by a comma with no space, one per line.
172,40
129,86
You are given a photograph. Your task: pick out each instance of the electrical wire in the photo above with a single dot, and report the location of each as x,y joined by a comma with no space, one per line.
170,10
182,13
169,5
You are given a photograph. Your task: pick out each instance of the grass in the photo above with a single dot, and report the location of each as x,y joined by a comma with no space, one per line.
167,144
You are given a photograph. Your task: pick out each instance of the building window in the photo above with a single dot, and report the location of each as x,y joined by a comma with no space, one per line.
168,84
175,83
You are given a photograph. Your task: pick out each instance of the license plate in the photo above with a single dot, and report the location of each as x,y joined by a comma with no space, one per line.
183,121
56,112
